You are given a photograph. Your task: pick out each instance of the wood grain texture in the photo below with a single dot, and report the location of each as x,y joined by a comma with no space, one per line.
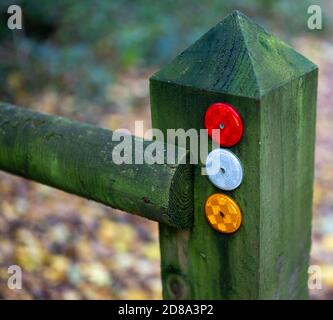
274,90
77,158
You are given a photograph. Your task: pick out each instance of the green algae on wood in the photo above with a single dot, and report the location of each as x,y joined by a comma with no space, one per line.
274,89
77,158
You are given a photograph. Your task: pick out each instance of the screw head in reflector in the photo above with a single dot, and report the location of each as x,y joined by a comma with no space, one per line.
224,117
224,169
223,213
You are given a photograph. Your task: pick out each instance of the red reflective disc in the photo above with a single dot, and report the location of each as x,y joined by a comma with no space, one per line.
224,117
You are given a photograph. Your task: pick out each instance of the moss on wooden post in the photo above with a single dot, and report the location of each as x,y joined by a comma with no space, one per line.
77,158
274,89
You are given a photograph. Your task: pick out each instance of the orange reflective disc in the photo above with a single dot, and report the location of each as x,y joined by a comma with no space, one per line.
223,213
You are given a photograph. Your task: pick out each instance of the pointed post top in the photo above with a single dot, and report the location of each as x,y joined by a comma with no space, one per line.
236,57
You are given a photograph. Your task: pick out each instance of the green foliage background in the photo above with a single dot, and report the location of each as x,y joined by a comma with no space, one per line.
80,46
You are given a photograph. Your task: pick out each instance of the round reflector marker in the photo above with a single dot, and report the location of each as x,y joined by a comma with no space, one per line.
224,169
224,118
223,213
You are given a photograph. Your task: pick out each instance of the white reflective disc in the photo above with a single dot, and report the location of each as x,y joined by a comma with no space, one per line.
224,169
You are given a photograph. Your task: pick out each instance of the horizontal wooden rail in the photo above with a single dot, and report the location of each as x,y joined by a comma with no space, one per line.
77,158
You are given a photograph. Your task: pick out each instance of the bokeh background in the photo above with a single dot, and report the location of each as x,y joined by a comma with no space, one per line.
90,61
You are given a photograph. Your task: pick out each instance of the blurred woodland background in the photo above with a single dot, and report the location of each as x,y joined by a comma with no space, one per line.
90,61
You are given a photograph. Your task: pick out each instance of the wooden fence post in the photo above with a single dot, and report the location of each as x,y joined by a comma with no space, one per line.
274,89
